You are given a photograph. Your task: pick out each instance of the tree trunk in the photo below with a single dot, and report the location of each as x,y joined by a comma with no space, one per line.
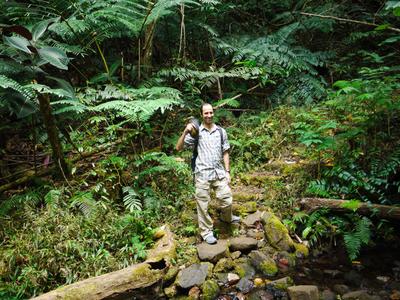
373,210
52,133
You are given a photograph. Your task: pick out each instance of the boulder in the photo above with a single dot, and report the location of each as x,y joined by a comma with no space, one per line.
328,295
263,263
245,285
193,275
276,232
303,292
357,295
213,252
252,219
243,243
282,283
210,290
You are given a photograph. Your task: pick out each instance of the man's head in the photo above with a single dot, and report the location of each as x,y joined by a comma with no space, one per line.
207,113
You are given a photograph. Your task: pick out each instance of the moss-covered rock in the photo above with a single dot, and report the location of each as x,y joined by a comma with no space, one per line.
276,232
248,207
302,250
268,267
282,284
210,290
224,265
171,274
265,264
171,291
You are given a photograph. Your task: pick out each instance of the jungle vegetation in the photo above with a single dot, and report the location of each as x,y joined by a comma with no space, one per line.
94,94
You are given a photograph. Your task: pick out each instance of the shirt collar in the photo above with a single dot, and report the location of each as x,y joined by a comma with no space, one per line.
213,128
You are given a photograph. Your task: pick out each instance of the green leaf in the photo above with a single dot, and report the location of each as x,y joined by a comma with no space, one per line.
40,28
17,42
396,11
392,4
306,232
55,57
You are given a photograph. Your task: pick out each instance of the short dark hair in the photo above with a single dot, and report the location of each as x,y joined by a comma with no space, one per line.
202,105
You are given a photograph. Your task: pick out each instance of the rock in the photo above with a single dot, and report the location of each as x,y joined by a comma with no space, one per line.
171,291
353,278
383,279
341,289
233,278
248,207
357,295
171,274
210,290
256,234
281,284
193,275
395,295
236,254
263,263
301,251
245,269
213,252
245,285
253,218
332,273
287,258
243,243
260,295
194,293
258,282
276,233
227,279
224,265
303,292
328,295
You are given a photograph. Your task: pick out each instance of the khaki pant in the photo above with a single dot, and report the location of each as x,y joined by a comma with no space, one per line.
224,197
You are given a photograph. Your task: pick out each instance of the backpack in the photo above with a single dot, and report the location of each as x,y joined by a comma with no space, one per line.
196,144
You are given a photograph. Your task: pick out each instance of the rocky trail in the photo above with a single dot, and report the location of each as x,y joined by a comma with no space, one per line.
255,259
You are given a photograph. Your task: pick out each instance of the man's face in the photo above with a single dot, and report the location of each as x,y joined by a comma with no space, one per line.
208,114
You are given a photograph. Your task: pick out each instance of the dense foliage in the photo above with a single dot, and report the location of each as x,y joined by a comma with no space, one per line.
95,94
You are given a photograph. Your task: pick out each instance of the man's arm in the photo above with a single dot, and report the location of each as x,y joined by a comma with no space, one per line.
181,140
226,161
227,165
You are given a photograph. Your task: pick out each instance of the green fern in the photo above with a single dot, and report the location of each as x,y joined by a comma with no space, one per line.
85,202
131,199
359,236
134,104
32,198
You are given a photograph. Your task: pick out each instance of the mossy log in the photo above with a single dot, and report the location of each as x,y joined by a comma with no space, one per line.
140,281
366,209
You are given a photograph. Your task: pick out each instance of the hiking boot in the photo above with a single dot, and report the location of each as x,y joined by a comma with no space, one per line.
235,219
210,239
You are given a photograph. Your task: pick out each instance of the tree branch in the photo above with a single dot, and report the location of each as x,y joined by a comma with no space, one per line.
348,20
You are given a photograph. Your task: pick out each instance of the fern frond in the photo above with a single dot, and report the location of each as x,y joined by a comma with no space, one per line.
131,199
84,202
8,83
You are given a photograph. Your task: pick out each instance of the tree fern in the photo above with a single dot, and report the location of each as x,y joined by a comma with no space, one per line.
134,104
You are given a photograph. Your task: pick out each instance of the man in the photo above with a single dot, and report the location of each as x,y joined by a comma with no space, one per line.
209,172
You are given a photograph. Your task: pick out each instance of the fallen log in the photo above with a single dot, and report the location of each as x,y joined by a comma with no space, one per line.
366,209
140,281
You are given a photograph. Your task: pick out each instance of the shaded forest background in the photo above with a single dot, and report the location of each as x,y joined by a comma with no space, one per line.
94,94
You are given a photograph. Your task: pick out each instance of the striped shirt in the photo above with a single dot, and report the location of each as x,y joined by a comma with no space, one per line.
209,162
